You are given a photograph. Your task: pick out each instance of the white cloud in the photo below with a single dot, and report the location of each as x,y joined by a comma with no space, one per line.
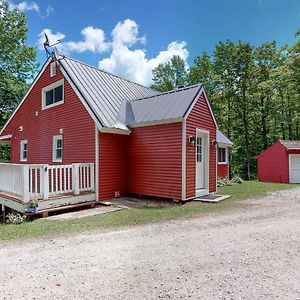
49,10
24,6
123,60
93,40
133,64
126,33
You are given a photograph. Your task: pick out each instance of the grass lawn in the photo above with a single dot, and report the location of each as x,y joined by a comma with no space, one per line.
42,228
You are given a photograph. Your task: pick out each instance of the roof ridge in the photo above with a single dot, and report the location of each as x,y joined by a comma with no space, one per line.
169,92
106,72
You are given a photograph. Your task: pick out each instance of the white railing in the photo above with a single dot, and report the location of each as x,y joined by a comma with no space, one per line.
41,181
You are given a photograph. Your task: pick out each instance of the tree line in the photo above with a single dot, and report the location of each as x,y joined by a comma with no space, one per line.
254,92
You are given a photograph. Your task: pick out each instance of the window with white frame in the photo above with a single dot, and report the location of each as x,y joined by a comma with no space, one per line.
53,94
57,148
222,155
23,150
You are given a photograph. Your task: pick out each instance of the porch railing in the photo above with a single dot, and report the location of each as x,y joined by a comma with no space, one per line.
38,181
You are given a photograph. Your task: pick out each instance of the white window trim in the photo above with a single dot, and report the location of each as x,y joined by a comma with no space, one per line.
55,138
51,87
226,156
53,69
23,142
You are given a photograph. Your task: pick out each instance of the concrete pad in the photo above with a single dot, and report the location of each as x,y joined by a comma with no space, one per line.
131,202
212,198
83,213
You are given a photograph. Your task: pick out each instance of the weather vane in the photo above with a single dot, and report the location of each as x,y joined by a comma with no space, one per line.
47,45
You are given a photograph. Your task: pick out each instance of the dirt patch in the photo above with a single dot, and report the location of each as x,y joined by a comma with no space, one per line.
249,253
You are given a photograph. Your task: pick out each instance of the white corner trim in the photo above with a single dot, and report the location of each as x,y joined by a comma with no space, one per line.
27,93
49,88
75,89
97,163
6,137
183,185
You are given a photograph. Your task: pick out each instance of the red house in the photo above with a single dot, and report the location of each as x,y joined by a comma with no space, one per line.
280,162
81,134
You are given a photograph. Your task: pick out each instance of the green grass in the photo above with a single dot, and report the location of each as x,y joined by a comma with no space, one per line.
128,217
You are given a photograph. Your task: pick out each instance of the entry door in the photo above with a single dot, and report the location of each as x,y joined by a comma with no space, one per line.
200,161
295,168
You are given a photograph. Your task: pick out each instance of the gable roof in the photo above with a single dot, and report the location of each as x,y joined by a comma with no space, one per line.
223,139
102,91
165,106
290,145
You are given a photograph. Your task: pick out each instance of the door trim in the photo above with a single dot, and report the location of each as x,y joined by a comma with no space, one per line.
205,190
290,165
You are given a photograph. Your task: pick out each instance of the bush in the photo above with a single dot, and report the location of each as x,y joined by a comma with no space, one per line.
226,182
15,219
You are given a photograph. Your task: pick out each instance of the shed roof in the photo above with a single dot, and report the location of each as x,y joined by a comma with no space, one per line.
103,91
222,138
290,145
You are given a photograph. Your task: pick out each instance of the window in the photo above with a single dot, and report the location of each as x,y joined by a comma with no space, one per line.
199,149
24,150
52,69
57,148
222,155
53,94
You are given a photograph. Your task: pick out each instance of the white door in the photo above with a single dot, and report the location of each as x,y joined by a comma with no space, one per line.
294,168
200,162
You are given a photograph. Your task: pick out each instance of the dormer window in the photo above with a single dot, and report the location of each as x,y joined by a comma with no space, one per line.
53,94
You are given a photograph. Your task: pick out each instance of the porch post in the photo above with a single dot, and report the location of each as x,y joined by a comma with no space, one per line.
75,178
45,182
25,183
92,174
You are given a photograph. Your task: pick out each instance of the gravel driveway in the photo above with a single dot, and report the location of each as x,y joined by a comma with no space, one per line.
246,253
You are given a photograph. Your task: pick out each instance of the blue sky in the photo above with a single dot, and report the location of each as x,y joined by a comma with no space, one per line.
130,37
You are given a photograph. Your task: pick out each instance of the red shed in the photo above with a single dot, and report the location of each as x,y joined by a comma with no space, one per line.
84,132
280,162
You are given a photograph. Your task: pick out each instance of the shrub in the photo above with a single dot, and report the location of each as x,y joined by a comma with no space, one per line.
15,219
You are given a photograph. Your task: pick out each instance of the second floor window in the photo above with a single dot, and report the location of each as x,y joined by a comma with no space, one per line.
53,94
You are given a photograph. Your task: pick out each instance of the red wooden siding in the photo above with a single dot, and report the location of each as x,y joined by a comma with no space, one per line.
223,170
112,165
273,164
78,127
155,161
200,117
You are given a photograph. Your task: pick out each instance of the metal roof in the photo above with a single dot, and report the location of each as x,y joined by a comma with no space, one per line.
222,138
290,145
103,91
170,105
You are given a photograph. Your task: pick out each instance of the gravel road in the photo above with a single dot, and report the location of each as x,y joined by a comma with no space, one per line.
251,252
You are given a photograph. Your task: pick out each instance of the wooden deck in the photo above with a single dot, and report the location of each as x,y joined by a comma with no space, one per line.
54,202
